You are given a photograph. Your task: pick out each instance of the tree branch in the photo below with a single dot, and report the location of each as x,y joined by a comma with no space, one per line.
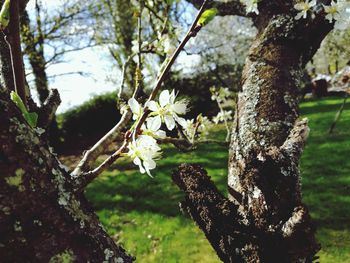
49,108
215,215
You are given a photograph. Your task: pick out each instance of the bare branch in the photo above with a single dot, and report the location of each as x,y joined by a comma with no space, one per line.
215,215
49,108
91,155
79,73
88,177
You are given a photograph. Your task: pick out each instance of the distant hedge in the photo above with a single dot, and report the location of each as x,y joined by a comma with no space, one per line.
84,124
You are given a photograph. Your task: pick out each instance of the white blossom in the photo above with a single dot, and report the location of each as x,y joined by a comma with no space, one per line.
144,150
343,17
251,6
189,128
135,46
223,116
304,7
220,95
204,127
332,11
168,44
167,110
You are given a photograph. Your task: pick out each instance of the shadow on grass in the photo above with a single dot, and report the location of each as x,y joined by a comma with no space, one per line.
325,165
128,190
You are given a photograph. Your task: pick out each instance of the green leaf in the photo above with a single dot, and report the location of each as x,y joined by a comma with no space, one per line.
18,101
207,16
5,14
30,117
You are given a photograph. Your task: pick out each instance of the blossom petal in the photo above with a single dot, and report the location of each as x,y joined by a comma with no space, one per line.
298,16
172,97
169,122
149,165
180,107
154,123
164,98
134,105
152,105
181,121
161,134
138,162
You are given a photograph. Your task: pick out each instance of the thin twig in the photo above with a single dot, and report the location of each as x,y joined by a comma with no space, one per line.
154,12
125,65
138,76
12,62
337,116
225,121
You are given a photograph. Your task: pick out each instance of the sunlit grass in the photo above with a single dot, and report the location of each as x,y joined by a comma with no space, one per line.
143,214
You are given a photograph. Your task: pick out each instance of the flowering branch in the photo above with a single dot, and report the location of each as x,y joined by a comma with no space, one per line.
191,33
135,130
92,154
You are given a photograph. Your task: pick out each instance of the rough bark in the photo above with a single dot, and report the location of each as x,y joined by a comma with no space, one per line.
266,145
40,217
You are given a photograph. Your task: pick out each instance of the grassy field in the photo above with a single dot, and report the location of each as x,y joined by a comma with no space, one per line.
142,213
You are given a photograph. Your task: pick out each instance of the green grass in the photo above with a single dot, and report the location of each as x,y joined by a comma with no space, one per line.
143,215
325,168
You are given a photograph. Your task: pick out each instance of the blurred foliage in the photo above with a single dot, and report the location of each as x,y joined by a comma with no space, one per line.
197,87
333,54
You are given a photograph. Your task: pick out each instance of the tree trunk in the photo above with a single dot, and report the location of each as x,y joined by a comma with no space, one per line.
264,219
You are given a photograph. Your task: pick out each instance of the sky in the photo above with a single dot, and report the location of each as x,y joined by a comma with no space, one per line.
76,89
